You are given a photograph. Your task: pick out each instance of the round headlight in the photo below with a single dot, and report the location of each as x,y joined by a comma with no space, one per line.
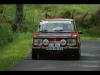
45,42
63,42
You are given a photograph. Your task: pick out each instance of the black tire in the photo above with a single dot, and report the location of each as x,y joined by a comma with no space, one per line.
77,55
34,56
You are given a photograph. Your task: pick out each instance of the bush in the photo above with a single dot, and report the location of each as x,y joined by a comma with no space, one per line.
6,35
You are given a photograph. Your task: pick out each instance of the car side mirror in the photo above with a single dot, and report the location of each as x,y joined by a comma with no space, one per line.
80,32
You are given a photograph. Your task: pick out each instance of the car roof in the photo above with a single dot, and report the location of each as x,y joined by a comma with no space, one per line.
58,19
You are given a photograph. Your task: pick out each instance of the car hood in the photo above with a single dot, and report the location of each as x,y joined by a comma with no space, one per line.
54,35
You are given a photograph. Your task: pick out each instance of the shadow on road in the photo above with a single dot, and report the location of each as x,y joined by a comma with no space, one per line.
64,58
53,58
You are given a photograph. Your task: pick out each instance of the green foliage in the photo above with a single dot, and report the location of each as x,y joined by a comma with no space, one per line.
6,35
15,51
6,19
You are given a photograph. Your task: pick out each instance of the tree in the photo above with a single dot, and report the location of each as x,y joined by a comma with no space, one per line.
19,18
1,12
1,8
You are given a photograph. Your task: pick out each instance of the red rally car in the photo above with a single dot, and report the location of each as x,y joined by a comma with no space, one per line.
57,36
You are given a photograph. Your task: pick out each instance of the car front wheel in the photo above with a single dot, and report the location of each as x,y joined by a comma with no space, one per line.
77,55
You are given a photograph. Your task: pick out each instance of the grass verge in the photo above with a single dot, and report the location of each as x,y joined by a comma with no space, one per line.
84,37
15,51
90,38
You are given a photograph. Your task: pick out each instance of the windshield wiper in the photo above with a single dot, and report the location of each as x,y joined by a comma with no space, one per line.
58,30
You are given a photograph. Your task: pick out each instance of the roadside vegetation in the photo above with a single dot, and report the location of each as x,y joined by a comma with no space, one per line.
15,51
15,46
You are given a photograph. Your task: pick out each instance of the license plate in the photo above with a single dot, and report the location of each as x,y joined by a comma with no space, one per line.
54,47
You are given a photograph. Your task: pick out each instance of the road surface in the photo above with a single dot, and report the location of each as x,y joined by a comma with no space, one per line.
90,61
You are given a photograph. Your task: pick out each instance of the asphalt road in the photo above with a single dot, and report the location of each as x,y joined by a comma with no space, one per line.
90,61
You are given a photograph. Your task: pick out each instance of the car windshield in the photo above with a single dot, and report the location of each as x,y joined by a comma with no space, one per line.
57,27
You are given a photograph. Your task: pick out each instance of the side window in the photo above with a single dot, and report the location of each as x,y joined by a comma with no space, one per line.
75,27
42,27
38,29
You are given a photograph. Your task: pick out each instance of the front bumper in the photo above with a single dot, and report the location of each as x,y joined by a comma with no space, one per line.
65,51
